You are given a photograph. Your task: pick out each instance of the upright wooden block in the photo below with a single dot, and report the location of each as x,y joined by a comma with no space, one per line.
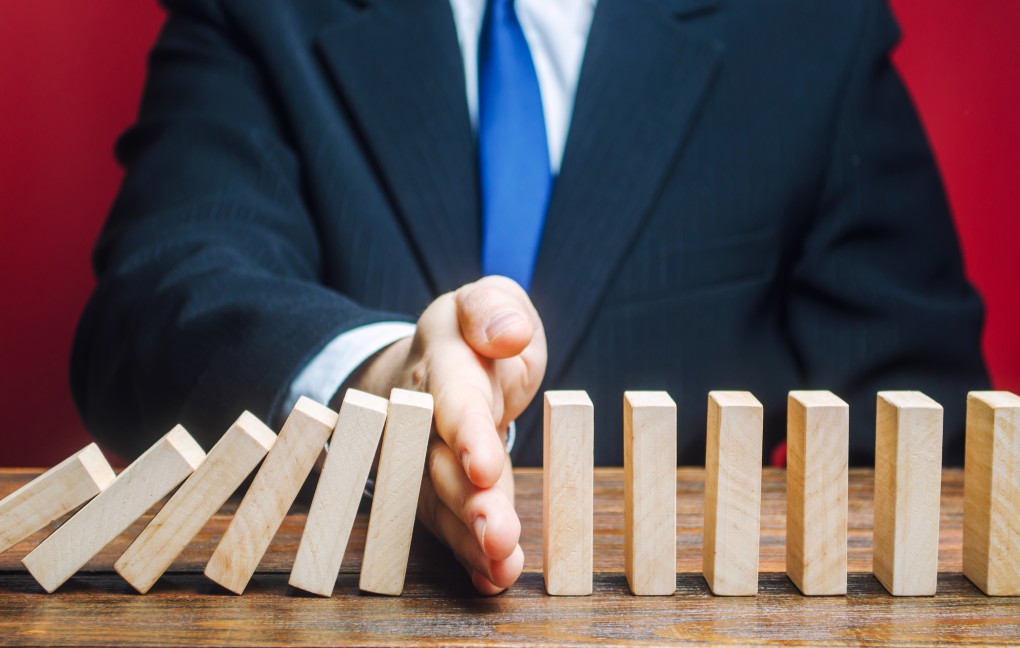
567,491
341,485
271,494
991,493
818,447
732,493
53,494
142,484
397,484
908,488
227,465
649,492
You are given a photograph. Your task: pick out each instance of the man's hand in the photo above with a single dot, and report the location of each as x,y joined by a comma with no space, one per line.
481,353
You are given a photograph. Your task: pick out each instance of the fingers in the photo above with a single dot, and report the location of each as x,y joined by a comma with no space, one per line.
466,409
496,317
488,512
489,576
498,321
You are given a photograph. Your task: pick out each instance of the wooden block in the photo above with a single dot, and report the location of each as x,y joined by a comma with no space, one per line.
142,485
733,472
338,493
53,494
271,494
991,493
649,492
397,484
818,447
567,491
908,488
227,465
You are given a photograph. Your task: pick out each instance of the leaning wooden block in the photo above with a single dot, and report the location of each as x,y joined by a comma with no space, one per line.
271,494
397,484
991,493
338,493
567,491
818,447
53,494
908,487
649,492
732,493
227,465
142,484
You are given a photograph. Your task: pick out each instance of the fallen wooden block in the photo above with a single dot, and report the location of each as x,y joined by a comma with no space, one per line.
818,447
991,493
567,498
908,487
271,494
733,469
226,466
397,485
53,494
338,493
142,484
649,492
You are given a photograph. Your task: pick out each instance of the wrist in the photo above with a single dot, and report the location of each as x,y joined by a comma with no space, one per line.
381,372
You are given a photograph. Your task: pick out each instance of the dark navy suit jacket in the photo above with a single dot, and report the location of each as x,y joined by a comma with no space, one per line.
746,201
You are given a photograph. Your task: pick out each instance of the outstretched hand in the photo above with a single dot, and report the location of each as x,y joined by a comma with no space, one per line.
481,353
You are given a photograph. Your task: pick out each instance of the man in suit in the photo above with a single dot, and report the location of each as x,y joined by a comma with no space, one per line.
713,194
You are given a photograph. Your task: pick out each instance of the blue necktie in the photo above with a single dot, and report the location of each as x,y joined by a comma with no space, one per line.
512,149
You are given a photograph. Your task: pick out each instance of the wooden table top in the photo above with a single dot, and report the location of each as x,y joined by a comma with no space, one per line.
439,607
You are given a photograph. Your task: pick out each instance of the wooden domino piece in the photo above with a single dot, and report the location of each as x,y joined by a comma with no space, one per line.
649,492
908,488
338,493
733,469
991,493
271,494
818,447
567,492
142,485
397,484
53,494
226,466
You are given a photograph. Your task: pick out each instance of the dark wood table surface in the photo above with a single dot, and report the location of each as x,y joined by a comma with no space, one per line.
439,607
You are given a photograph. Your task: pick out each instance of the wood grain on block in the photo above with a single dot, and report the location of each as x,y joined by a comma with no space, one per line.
226,466
818,447
53,494
567,495
338,493
733,470
142,485
272,492
991,503
395,500
649,492
908,486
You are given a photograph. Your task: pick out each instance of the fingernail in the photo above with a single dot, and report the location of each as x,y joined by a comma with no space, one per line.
479,527
501,322
465,460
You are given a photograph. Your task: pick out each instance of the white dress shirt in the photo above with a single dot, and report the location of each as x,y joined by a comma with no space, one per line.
556,32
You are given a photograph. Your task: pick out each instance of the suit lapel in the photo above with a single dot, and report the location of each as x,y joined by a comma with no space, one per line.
400,73
642,82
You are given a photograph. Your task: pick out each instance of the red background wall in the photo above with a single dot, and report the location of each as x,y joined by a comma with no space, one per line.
70,77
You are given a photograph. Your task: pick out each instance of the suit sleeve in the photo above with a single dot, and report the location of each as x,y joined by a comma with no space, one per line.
879,297
208,298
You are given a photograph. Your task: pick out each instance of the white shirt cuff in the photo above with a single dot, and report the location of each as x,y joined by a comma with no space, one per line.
322,377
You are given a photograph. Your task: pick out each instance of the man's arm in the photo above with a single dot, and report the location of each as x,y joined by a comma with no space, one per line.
879,299
208,299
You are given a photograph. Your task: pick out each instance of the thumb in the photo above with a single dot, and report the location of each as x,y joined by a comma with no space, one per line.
493,320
